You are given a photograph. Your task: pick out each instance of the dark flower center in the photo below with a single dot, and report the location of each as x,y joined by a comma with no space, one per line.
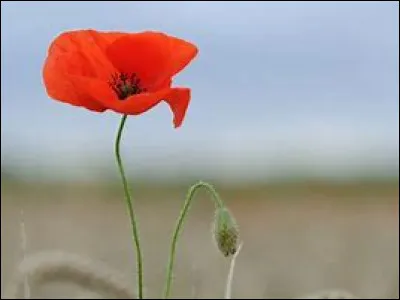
125,85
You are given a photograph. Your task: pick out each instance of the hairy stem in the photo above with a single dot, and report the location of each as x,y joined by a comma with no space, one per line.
228,288
128,198
178,228
27,292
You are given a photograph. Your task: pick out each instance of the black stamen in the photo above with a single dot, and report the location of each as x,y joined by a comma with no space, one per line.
125,85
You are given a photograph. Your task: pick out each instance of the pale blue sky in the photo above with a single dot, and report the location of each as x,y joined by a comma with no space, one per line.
306,87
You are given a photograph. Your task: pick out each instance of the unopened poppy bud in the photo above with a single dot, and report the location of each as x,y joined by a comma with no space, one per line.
225,232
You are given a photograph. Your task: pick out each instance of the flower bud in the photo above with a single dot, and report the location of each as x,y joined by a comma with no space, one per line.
225,232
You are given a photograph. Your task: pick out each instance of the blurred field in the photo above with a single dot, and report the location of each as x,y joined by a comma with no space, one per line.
298,237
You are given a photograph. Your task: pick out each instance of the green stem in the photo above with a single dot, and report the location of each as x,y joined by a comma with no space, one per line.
128,198
218,203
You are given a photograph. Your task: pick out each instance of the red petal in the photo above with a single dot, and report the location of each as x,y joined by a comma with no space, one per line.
82,52
178,99
146,54
59,85
132,105
182,53
155,57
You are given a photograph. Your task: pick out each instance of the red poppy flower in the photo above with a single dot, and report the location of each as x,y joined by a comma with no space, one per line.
128,73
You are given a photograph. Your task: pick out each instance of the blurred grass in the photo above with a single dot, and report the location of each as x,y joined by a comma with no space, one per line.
300,235
360,189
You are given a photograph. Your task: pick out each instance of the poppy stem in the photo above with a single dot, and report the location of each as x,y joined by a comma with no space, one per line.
178,228
128,197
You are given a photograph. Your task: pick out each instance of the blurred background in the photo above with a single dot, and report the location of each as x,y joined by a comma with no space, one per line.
294,118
